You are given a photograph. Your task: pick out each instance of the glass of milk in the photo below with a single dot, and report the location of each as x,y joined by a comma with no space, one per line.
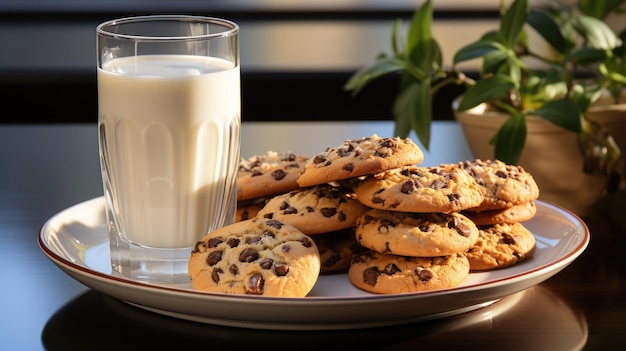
169,118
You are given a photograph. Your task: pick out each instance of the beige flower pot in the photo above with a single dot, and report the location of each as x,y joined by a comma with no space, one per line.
551,155
611,116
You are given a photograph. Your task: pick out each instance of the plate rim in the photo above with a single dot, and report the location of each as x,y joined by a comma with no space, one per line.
541,272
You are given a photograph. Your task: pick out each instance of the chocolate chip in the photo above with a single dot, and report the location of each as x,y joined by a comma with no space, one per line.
349,167
508,239
426,227
266,263
461,227
319,159
215,274
199,246
253,240
381,153
278,174
233,269
378,200
453,198
328,211
213,242
306,241
281,269
233,242
423,274
248,255
287,209
370,275
274,223
391,269
438,184
256,284
286,248
214,257
408,187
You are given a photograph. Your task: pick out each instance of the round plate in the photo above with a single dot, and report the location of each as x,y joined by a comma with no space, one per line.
76,240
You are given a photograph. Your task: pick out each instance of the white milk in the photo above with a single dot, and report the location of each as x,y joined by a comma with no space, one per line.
169,134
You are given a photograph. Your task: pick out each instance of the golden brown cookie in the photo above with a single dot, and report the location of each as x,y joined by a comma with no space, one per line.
513,214
391,274
359,157
416,234
318,209
336,250
255,257
442,188
503,185
500,246
268,174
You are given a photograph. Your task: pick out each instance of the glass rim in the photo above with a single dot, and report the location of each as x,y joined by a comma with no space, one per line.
231,28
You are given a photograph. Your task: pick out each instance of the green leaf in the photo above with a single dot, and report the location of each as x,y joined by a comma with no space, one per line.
485,90
401,111
419,40
513,21
421,113
599,9
510,139
586,56
413,110
365,75
564,113
548,27
493,61
597,33
477,49
395,38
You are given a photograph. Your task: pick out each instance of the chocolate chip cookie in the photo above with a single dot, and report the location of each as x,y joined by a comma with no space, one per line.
259,256
513,214
391,274
313,210
268,174
503,185
416,234
500,246
442,188
359,157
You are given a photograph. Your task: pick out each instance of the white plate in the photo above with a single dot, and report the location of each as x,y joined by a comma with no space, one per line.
76,240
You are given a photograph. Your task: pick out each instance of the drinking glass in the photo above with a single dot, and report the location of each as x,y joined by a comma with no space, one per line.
169,120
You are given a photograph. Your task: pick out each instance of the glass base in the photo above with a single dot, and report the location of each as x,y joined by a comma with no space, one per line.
150,264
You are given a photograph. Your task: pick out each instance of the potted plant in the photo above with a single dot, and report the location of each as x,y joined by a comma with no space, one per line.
521,86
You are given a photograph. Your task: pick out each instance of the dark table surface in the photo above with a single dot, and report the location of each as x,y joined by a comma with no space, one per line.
45,169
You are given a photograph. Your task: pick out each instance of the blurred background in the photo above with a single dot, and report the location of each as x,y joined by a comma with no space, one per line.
295,55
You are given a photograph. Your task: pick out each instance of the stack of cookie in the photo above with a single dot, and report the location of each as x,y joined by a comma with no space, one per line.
368,210
509,199
415,230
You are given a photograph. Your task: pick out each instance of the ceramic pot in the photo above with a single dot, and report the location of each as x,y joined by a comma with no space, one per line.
613,118
550,154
